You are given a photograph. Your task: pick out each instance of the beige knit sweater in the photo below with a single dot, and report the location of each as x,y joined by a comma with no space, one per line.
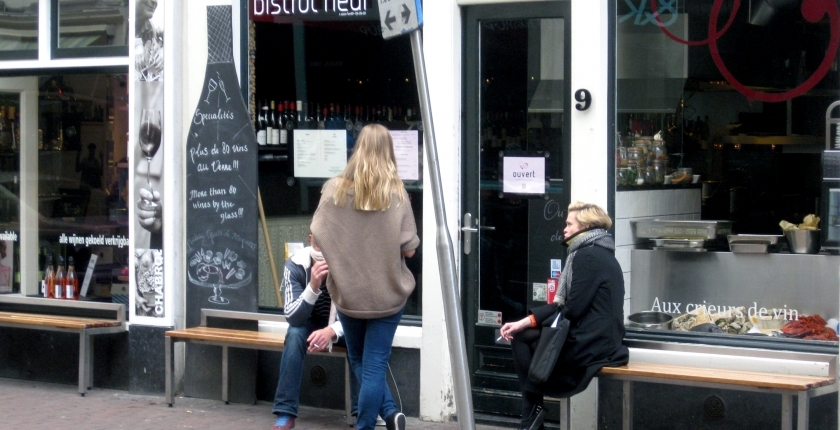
368,277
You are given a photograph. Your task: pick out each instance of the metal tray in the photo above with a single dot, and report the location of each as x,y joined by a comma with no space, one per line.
662,229
748,248
679,243
754,243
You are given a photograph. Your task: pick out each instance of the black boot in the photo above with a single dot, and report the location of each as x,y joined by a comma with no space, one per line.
534,420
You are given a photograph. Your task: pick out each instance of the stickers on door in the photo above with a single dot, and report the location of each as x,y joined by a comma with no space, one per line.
489,318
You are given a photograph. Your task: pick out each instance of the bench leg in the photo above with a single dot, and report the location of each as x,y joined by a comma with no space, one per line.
90,362
169,364
802,410
83,358
787,412
225,386
627,406
348,402
565,416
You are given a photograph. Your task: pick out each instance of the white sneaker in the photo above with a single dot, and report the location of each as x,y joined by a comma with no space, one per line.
379,421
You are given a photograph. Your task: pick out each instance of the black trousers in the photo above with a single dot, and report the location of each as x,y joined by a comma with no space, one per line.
523,345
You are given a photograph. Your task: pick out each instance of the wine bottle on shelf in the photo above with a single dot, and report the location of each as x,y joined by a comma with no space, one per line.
261,127
59,279
348,119
282,133
358,124
269,123
277,124
71,283
48,285
300,117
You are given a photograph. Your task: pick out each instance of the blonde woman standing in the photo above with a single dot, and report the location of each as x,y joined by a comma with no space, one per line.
365,228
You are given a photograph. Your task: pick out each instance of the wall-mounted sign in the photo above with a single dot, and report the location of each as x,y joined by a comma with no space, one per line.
319,153
524,175
407,153
277,10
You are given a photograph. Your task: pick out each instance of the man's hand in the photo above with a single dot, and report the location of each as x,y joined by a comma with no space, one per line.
320,270
149,218
320,340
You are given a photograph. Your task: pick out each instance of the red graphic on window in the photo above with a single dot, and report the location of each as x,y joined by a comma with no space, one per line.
812,11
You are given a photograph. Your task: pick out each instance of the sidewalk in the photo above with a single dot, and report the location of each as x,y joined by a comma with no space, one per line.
39,405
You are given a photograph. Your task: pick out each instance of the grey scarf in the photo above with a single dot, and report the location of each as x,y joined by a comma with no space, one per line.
597,237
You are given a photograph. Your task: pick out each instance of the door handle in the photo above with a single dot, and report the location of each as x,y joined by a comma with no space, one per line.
468,230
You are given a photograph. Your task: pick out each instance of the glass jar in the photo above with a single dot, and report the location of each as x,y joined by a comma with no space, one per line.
622,156
659,171
660,151
633,173
642,145
634,154
650,175
622,175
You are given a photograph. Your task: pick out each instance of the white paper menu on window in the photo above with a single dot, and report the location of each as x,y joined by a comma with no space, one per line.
319,153
406,151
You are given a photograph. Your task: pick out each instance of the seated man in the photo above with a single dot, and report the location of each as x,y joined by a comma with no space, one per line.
313,327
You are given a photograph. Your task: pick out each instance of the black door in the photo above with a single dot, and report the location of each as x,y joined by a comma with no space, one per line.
515,176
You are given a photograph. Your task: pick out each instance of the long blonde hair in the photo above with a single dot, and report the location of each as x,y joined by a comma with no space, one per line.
371,171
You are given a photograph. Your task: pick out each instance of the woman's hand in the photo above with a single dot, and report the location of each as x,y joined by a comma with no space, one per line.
511,328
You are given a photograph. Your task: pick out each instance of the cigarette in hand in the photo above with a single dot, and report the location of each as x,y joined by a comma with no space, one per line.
316,345
500,338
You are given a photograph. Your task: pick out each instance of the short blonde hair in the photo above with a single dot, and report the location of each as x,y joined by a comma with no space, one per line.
371,171
591,215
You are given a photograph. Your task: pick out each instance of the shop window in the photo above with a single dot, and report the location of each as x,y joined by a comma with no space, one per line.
91,28
731,127
329,71
19,30
9,193
83,171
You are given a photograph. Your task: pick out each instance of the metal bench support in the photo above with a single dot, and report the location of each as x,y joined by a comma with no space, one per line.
168,358
802,398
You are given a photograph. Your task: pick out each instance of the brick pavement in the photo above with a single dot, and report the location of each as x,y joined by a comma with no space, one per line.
31,405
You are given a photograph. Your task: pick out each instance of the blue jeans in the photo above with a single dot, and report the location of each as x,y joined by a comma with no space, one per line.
369,350
287,396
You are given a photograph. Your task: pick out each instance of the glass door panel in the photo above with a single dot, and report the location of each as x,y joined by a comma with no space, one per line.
515,106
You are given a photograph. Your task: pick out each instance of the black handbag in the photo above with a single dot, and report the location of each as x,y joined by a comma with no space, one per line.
548,349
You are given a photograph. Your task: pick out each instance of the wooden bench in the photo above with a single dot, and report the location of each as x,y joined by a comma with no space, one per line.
87,319
246,339
803,386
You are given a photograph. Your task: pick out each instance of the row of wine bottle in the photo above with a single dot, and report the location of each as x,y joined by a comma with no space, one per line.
59,283
274,122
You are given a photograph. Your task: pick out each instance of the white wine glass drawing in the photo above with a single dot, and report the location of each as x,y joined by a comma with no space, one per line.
150,139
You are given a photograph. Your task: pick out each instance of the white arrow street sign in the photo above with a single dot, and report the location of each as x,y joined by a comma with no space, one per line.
398,17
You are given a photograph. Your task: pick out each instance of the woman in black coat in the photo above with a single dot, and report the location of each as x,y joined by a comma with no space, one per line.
591,297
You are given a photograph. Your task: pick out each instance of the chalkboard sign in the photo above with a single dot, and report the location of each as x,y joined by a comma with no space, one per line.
546,221
221,186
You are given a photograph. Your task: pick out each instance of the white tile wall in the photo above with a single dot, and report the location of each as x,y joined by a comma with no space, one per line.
676,204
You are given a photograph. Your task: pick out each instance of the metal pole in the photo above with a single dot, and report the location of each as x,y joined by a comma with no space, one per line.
445,253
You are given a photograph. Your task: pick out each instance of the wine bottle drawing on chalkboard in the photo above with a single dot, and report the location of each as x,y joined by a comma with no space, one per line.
222,152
